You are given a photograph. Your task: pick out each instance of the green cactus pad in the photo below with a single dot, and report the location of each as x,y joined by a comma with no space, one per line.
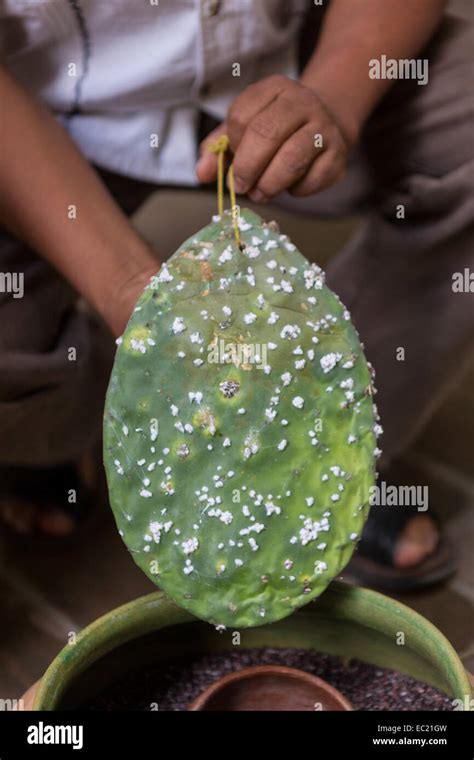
240,430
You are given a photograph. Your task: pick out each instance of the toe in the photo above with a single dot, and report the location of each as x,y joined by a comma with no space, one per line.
417,541
55,523
18,515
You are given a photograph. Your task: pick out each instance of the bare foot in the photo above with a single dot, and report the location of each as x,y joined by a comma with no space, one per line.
417,541
27,518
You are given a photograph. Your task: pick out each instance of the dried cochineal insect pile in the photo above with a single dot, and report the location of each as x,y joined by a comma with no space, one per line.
240,429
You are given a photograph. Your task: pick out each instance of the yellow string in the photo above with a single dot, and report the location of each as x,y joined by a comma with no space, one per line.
234,207
221,146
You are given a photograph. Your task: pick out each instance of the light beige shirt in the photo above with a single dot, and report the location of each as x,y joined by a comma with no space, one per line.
133,75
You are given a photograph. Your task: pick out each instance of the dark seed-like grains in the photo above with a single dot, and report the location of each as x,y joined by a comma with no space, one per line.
172,688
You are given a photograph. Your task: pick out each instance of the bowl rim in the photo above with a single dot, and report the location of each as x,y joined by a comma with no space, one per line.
245,674
156,611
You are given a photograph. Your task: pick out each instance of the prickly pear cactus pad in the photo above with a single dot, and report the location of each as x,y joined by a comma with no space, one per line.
240,430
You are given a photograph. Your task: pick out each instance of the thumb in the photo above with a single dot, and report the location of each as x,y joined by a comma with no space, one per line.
206,167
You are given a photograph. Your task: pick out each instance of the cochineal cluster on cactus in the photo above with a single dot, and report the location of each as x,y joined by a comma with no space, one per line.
240,429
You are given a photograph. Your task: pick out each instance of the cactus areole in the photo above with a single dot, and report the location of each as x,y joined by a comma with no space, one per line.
240,429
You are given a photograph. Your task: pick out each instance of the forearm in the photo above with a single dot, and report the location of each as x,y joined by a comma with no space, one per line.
353,33
54,201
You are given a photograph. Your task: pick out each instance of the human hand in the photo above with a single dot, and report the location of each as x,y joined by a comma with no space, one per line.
283,138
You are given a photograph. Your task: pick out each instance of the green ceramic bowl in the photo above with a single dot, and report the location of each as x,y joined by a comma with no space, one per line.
346,621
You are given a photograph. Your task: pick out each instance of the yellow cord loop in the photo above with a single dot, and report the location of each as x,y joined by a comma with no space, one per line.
221,146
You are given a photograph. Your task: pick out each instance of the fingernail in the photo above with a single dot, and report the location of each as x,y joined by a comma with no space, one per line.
239,185
258,197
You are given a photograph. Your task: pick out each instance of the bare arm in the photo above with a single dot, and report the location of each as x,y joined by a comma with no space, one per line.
42,174
354,32
272,124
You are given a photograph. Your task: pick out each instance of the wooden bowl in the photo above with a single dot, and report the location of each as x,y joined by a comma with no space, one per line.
270,687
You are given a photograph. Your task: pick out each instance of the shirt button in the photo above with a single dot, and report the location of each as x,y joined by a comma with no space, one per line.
213,7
